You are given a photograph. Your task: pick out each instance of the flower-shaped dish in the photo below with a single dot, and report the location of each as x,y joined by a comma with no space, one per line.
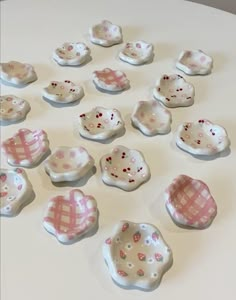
105,34
100,123
190,203
16,191
124,168
202,138
137,53
72,54
110,80
63,92
68,164
174,91
17,73
194,62
13,109
71,216
137,255
26,147
151,118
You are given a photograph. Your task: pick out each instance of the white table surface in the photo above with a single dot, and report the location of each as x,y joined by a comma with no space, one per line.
34,265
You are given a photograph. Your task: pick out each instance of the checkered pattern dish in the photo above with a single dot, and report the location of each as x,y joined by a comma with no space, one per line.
190,203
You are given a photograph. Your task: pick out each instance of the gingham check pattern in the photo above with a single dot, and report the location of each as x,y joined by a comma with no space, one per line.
71,217
189,200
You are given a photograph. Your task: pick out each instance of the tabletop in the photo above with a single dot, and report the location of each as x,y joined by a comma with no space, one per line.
34,265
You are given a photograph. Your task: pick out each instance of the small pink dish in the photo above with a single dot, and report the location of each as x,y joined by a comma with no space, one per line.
190,203
124,168
63,92
17,73
137,53
13,109
105,34
202,138
100,123
16,191
151,118
68,164
137,256
174,91
110,80
26,147
72,54
194,62
71,216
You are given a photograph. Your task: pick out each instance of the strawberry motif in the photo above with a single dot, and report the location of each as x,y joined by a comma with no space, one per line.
3,177
122,273
155,236
108,241
3,194
18,170
125,227
19,187
122,254
158,257
140,272
141,256
136,236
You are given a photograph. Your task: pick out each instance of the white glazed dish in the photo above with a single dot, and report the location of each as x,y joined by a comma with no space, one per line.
174,91
68,164
17,73
137,53
105,34
71,216
13,109
194,62
202,137
26,148
100,123
137,255
72,54
124,168
16,191
63,92
151,118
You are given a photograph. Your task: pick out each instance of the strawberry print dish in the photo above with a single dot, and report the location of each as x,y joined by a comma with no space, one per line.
137,53
137,255
194,62
68,164
71,216
124,168
174,91
72,54
105,34
17,73
190,203
202,138
12,109
63,92
26,148
110,80
151,118
16,191
100,123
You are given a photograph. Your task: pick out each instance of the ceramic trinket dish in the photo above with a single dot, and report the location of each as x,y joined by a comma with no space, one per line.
17,73
63,92
202,137
124,168
194,62
68,164
71,216
105,34
190,203
16,191
110,80
12,109
174,91
137,255
72,54
137,53
151,118
100,123
26,148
